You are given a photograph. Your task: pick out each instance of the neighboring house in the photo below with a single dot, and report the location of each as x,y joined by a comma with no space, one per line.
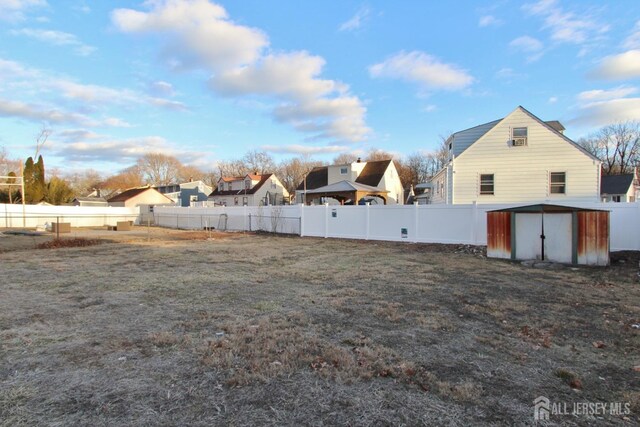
381,177
250,190
619,188
89,201
187,192
139,196
519,158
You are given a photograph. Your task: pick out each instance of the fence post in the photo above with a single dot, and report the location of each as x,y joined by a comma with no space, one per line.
416,223
148,229
367,220
326,220
249,222
244,218
302,220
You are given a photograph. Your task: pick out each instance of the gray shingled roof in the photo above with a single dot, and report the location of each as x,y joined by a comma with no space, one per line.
616,184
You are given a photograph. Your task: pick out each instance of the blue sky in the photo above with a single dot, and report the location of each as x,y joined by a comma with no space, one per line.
208,81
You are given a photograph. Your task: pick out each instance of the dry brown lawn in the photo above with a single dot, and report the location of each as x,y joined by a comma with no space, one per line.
176,328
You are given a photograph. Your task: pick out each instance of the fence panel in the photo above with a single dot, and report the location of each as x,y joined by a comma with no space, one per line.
458,224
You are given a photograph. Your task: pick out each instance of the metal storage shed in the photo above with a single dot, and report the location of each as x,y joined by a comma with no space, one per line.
549,232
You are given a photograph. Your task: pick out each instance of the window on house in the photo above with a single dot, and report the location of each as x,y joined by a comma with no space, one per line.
247,184
519,137
616,199
245,201
450,146
273,184
235,201
193,198
487,184
344,171
557,183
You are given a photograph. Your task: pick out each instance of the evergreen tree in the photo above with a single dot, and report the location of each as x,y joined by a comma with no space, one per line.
58,192
34,185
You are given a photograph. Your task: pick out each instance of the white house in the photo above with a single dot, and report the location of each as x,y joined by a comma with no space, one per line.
517,159
375,181
620,188
249,190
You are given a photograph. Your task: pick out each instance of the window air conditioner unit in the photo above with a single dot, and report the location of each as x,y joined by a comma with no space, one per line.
519,142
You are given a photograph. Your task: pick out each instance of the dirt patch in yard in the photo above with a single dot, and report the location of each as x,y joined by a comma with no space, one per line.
186,328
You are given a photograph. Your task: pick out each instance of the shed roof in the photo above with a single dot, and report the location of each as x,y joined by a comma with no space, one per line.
547,208
345,186
91,199
616,184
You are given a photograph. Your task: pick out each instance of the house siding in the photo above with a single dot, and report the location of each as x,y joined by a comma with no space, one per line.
521,174
391,182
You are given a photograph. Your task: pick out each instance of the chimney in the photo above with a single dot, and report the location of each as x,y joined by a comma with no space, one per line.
190,179
359,160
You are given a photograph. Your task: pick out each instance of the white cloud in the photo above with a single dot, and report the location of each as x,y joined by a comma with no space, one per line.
46,113
603,95
14,10
508,74
601,113
56,38
531,46
552,100
565,27
423,69
600,107
88,95
162,88
489,21
242,65
633,40
82,145
304,149
203,33
619,67
357,21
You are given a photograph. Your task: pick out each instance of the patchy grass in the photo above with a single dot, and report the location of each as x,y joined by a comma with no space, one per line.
241,329
77,242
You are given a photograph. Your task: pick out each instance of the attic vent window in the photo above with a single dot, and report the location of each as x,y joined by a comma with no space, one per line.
519,137
343,171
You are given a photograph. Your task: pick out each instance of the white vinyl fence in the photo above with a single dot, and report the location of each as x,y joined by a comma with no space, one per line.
461,224
13,216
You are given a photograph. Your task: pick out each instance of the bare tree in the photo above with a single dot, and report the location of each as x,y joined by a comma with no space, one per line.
417,168
159,169
291,172
616,145
232,168
7,164
259,162
41,138
84,182
376,154
190,173
127,178
345,158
